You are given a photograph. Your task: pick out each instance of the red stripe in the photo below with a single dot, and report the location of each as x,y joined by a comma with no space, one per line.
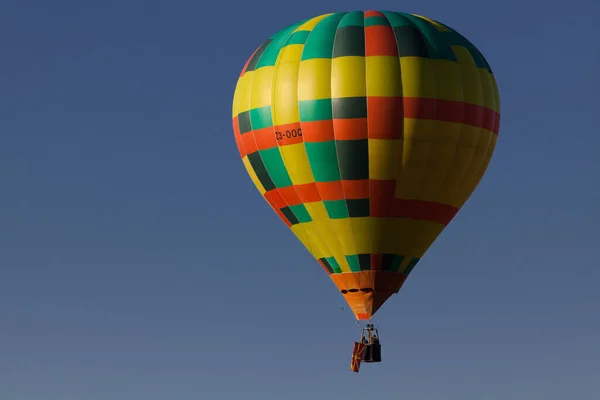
373,13
451,111
385,117
383,203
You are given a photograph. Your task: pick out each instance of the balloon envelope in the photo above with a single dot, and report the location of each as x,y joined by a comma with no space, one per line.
366,132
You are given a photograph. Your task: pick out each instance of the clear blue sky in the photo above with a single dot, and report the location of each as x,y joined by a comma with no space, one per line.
138,262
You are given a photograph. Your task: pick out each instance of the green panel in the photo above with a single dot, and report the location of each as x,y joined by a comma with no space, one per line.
244,122
322,157
261,118
411,265
354,18
439,47
275,166
358,207
271,53
396,262
334,265
336,208
353,156
364,260
349,41
353,263
315,110
397,20
349,107
289,215
326,264
301,213
410,42
376,20
298,38
320,41
254,60
456,39
261,172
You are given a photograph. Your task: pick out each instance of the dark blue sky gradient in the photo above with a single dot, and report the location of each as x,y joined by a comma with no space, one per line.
138,262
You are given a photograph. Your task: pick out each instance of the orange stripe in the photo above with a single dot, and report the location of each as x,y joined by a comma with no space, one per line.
317,131
275,199
380,41
284,134
265,138
380,193
350,129
331,190
290,195
238,137
358,189
308,192
249,142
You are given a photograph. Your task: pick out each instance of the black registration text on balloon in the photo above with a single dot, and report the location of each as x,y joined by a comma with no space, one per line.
292,133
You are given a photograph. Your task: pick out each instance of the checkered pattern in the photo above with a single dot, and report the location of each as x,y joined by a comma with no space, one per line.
366,132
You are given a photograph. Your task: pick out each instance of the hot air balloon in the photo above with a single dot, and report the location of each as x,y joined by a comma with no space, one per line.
366,132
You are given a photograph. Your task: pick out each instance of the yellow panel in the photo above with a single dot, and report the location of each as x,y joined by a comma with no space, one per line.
307,234
291,53
421,129
296,163
310,24
409,237
439,26
344,234
418,77
319,215
314,79
253,176
385,157
260,89
479,158
348,77
447,80
451,193
471,84
441,157
285,102
463,56
364,232
242,92
487,86
383,76
414,162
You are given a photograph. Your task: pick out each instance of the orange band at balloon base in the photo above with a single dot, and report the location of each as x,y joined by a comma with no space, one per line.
366,291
